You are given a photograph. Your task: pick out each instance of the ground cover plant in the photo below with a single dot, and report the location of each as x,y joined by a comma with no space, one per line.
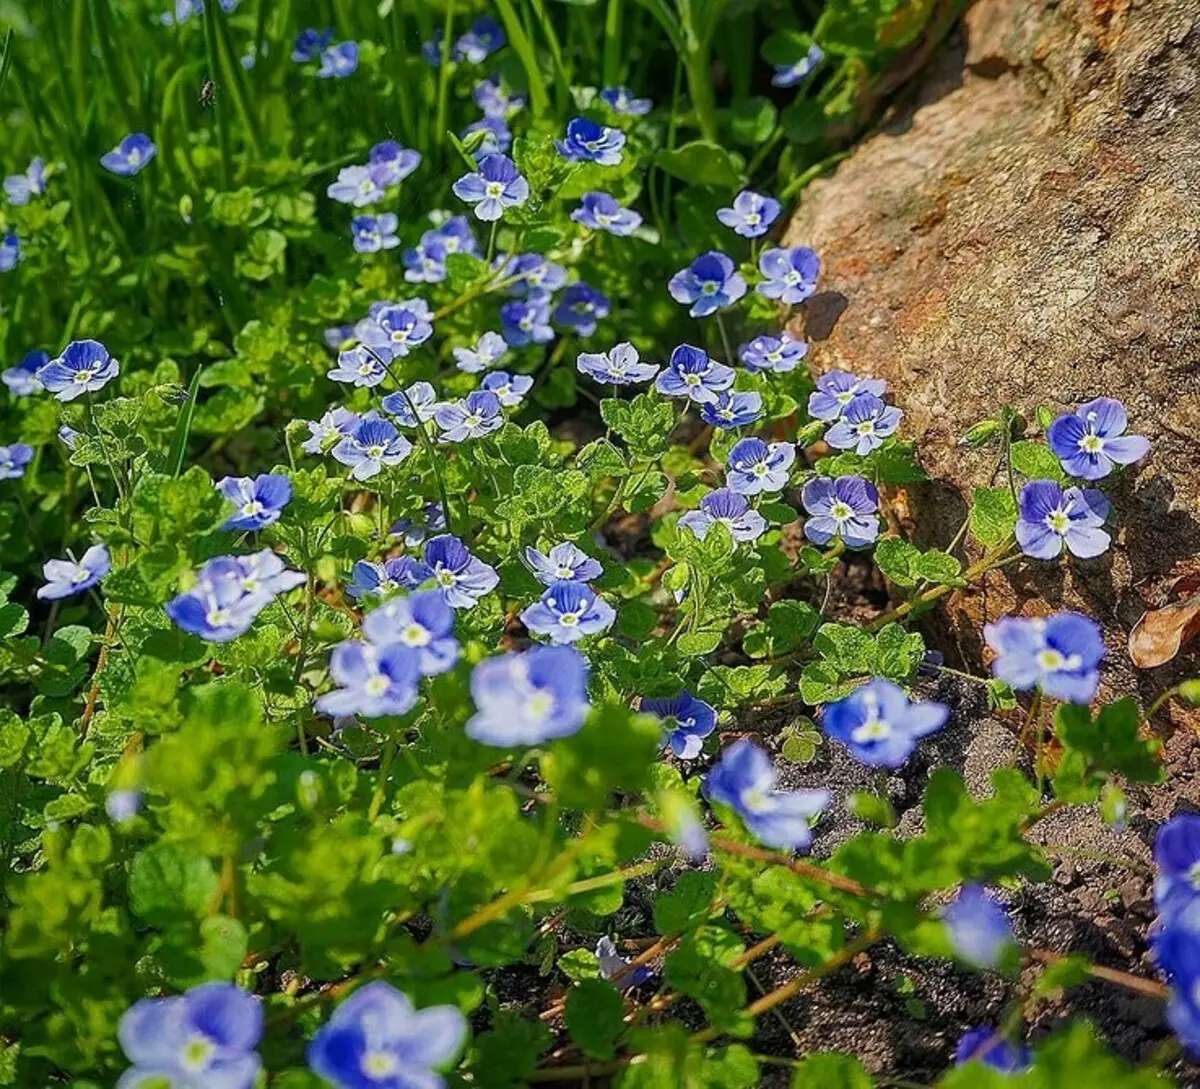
416,516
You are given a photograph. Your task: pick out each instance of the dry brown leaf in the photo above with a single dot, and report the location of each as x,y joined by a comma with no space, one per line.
1157,637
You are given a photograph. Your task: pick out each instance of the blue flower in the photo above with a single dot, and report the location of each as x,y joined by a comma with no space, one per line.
843,508
525,699
615,968
731,510
779,354
619,366
455,235
22,379
746,781
68,436
204,1037
360,366
510,389
1052,518
358,185
1091,441
20,188
563,563
1177,953
420,396
259,500
10,251
731,409
325,433
121,806
373,680
1059,654
380,579
495,99
67,577
535,276
422,621
372,445
588,142
496,185
489,349
878,724
621,100
1177,886
84,367
601,212
837,389
687,721
392,162
567,611
865,422
335,336
692,374
374,233
494,138
989,1047
462,578
398,327
130,155
710,283
259,573
526,321
751,215
310,44
791,275
13,459
415,529
426,263
788,75
376,1040
476,415
580,307
979,927
478,43
754,467
230,592
339,61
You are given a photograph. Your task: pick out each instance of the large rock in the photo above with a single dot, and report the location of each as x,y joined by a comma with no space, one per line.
1026,230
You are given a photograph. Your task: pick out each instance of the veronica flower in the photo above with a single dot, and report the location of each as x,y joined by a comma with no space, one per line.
1091,441
380,579
374,233
992,1049
218,608
496,185
621,100
601,212
360,366
1178,956
510,389
204,1037
399,327
535,276
619,366
19,188
456,236
426,264
878,724
335,336
476,415
615,968
84,367
373,680
979,927
392,162
588,142
67,577
837,389
565,562
751,215
843,509
334,425
496,100
691,374
310,44
10,251
730,409
13,459
779,354
1059,654
788,75
414,530
745,781
259,500
262,573
420,396
731,510
754,467
525,699
422,621
526,321
791,275
864,424
1052,518
130,155
489,349
372,445
358,185
710,283
581,307
487,136
462,577
567,611
1177,886
69,437
478,43
339,61
21,380
121,806
687,721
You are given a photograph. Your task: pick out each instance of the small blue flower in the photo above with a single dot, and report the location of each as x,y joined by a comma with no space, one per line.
20,188
621,100
878,724
619,366
22,379
431,50
360,366
339,61
730,409
377,1040
687,721
588,142
422,621
398,327
567,611
204,1037
10,251
325,433
230,592
259,500
374,233
462,578
1177,953
495,99
510,389
358,185
745,781
494,138
1052,518
731,510
392,162
692,374
426,263
68,436
754,467
525,699
381,579
1177,886
262,573
788,75
478,43
337,336
535,277
751,215
563,563
601,212
13,459
310,44
791,275
710,283
1058,654
779,354
989,1047
419,397
414,530
372,680
476,415
372,445
979,927
130,155
1091,441
455,235
67,577
84,367
580,307
837,389
122,806
843,509
615,968
526,321
495,186
489,349
865,422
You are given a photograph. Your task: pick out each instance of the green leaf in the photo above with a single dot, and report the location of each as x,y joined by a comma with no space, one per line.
702,163
595,1017
753,121
788,624
850,650
940,568
831,1070
897,559
1035,461
169,880
687,905
601,458
993,515
579,964
697,644
872,809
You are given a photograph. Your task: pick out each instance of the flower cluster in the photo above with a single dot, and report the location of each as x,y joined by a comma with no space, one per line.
229,592
569,609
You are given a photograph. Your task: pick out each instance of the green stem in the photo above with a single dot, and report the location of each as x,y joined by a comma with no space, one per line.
212,54
612,43
699,78
443,85
539,100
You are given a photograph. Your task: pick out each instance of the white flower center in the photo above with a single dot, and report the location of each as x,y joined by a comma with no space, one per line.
710,287
80,574
377,685
753,219
474,420
760,469
378,1064
366,368
445,577
84,376
564,572
196,1053
867,427
845,397
1091,444
415,636
217,618
254,507
840,511
374,451
569,620
872,730
1058,521
757,801
539,704
366,185
494,189
691,379
792,278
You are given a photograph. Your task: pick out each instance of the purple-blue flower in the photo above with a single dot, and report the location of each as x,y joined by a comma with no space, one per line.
372,445
414,406
843,509
325,433
374,233
230,591
1177,886
710,283
392,162
837,389
130,155
535,276
731,510
755,467
580,307
259,500
22,379
67,577
456,235
84,367
339,61
426,263
372,680
615,968
979,928
478,43
589,142
526,321
414,530
601,212
751,215
496,185
1058,654
369,579
358,185
398,327
1091,441
567,611
121,806
423,622
13,459
692,374
746,782
10,251
865,422
791,275
788,75
525,699
68,436
360,366
487,136
495,99
619,366
991,1048
563,563
729,409
621,100
462,578
510,389
476,415
687,721
1177,953
20,188
489,349
767,353
1052,518
879,725
310,44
